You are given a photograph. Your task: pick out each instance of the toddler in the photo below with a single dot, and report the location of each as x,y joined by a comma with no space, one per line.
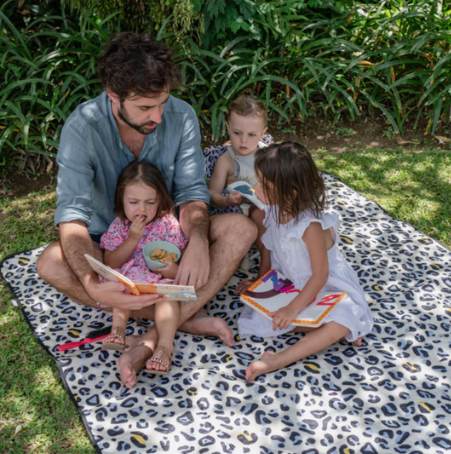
143,207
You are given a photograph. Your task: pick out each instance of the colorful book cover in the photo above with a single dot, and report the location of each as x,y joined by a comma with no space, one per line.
274,291
167,291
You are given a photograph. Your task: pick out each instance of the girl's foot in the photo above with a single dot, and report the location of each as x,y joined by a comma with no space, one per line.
267,363
115,340
161,361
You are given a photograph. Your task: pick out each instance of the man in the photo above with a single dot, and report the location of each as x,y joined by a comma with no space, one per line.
137,118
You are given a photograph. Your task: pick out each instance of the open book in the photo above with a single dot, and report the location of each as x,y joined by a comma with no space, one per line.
245,189
167,291
274,291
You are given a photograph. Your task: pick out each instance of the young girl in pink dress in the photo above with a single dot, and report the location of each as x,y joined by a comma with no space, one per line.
143,206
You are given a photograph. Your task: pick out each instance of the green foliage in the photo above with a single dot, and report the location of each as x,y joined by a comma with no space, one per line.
47,68
302,58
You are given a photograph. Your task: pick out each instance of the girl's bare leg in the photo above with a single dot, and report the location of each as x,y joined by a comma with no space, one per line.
313,342
120,319
167,321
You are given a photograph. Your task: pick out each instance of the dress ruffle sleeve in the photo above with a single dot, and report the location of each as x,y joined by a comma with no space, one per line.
290,242
117,233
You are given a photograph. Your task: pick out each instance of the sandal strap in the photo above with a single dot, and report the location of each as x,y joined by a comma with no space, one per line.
156,357
115,334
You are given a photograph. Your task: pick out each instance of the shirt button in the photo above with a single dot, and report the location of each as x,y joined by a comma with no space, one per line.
171,168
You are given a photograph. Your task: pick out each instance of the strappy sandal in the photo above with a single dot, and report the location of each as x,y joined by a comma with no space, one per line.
116,333
158,358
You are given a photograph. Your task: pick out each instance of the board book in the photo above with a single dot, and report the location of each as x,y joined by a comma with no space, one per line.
274,291
245,189
167,291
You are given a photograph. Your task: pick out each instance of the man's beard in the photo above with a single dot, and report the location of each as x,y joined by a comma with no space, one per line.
124,116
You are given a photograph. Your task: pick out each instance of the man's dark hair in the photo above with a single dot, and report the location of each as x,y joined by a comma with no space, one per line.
290,179
148,174
137,64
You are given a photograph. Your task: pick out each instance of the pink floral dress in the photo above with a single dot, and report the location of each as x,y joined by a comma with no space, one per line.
166,228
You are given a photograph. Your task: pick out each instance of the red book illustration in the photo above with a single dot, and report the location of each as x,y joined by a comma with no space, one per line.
274,291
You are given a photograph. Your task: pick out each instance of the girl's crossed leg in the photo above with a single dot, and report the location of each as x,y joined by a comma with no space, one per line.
315,340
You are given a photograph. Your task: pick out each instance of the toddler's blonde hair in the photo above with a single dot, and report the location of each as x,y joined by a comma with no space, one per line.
248,106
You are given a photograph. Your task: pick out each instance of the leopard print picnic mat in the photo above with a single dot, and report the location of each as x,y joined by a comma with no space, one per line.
390,395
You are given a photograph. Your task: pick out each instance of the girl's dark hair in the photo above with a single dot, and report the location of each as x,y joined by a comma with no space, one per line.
290,179
138,64
149,175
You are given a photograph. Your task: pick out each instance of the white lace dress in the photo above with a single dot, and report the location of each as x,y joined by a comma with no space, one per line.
289,255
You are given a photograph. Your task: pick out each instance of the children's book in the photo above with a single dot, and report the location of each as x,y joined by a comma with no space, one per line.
274,291
167,291
245,189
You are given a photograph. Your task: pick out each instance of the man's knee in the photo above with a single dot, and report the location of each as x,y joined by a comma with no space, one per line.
48,260
237,227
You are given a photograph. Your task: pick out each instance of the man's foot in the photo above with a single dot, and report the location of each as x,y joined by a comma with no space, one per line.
267,363
204,325
133,360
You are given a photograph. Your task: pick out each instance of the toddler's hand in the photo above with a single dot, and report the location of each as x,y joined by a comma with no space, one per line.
283,317
169,271
137,228
234,198
244,285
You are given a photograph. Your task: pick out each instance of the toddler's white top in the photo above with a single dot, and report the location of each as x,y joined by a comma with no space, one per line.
290,256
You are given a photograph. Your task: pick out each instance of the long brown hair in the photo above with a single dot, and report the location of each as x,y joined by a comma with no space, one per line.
290,179
149,175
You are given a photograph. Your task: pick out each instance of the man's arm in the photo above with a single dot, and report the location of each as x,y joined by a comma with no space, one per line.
194,267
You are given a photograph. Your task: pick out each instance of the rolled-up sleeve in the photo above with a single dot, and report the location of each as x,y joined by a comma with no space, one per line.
189,177
75,175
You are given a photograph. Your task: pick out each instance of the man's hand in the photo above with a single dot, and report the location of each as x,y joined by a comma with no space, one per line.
111,294
194,268
234,198
169,271
283,317
137,228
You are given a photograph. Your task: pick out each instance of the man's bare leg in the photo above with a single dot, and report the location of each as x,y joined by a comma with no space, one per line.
53,268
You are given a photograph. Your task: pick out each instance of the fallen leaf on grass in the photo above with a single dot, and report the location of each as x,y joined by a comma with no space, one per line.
18,429
401,141
442,140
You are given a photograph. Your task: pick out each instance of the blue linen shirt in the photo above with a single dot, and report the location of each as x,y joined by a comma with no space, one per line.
92,154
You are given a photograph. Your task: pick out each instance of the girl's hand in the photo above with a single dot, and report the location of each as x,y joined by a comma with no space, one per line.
169,271
137,228
283,317
244,285
234,198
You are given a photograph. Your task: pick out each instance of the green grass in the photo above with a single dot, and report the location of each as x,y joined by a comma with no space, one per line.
412,186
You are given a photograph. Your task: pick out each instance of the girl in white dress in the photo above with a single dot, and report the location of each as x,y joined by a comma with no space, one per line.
300,241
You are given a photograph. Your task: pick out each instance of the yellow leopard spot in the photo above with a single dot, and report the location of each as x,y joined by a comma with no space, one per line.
422,404
139,439
24,261
74,332
436,266
340,202
410,366
192,392
312,366
377,287
346,239
246,436
347,451
228,357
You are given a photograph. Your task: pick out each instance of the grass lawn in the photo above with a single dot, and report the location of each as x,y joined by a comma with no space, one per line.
36,414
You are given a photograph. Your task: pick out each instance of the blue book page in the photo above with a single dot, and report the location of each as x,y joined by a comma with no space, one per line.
243,189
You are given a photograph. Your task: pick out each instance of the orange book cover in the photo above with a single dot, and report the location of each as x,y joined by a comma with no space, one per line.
166,291
274,291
